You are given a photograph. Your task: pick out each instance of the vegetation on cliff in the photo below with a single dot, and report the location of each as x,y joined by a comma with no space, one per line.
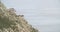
11,22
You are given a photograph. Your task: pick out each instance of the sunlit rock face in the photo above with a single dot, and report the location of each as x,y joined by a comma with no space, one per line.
11,22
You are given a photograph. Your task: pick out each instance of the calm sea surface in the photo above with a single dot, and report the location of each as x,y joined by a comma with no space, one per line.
49,28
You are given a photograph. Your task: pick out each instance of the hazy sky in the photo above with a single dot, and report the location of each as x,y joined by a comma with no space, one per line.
37,12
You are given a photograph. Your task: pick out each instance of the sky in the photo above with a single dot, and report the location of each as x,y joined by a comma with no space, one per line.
37,12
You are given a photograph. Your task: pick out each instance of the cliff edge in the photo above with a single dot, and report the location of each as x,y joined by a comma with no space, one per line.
11,22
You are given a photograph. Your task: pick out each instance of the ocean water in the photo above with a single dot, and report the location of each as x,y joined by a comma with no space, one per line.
48,28
39,12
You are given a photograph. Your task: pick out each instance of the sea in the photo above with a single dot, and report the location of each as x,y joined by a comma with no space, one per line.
48,28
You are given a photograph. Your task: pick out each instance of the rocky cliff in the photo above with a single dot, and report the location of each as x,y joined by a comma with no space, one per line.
11,22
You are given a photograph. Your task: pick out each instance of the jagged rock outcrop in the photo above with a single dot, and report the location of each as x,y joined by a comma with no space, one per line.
11,22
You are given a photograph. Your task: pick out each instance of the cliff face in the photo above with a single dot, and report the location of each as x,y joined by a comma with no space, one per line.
11,22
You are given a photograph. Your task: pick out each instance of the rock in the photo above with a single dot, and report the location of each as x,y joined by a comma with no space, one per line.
11,22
